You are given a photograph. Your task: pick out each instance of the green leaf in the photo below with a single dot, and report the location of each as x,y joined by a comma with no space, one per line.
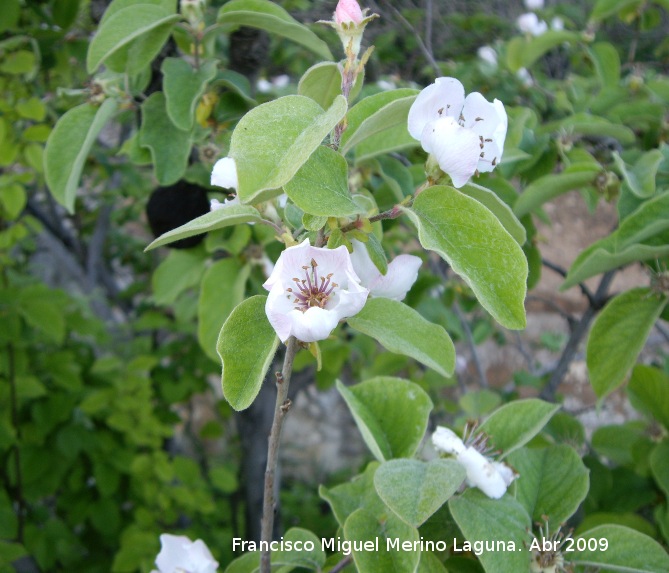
394,138
362,526
553,481
550,186
504,520
400,329
182,269
606,60
13,199
124,26
116,5
588,124
641,236
246,346
312,560
32,108
10,552
478,248
9,17
499,208
605,8
320,186
379,406
322,83
273,140
414,489
65,13
659,465
522,52
650,386
516,423
389,119
641,177
627,550
40,310
183,87
170,146
68,147
274,19
229,215
618,335
222,289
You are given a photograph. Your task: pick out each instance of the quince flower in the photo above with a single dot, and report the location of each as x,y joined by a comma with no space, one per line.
348,12
488,55
491,477
224,173
465,135
395,284
349,21
310,290
530,24
534,4
179,554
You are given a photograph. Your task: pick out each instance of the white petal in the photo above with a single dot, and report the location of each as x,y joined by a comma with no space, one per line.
350,301
447,441
487,54
279,309
443,98
224,173
489,121
314,324
482,474
362,263
455,148
508,475
180,553
278,271
396,283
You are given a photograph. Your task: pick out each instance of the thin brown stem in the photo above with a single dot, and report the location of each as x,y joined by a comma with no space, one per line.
280,410
391,214
343,564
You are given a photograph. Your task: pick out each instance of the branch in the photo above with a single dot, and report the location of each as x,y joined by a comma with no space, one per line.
343,564
563,273
472,345
280,410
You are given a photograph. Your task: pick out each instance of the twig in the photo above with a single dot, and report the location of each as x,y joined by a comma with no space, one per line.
390,214
345,562
520,345
280,410
428,27
598,301
423,48
563,273
94,258
483,379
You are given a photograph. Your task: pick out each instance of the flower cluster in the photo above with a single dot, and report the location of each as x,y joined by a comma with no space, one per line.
491,477
465,135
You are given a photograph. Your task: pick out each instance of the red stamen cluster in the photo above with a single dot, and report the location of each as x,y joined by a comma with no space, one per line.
310,293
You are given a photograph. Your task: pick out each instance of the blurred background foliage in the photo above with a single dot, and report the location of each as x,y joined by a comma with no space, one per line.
112,428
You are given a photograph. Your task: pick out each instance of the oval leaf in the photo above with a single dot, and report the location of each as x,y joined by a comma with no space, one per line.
400,329
478,248
618,335
379,406
650,387
516,423
498,208
320,186
414,489
274,19
275,139
246,346
183,87
628,550
123,27
68,146
553,481
232,215
504,520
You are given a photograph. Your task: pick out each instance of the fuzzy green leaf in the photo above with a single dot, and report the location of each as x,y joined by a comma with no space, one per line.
183,87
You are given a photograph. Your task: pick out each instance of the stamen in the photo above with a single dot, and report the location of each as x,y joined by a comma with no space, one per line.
314,291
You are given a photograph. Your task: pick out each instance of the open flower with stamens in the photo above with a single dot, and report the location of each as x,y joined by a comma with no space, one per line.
179,554
402,273
310,290
464,134
491,477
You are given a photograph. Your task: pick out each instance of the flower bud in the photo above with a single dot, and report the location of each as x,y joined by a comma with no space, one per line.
348,12
193,11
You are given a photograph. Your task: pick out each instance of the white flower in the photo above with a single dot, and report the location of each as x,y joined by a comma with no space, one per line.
491,477
488,55
281,81
530,24
557,24
310,290
264,86
534,4
465,135
224,173
525,77
179,554
395,284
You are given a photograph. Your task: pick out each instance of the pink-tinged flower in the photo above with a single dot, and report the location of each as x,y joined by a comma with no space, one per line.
398,280
491,477
465,135
348,12
310,290
224,173
530,24
179,554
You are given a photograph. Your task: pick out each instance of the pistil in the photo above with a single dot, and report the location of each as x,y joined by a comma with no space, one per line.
312,291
